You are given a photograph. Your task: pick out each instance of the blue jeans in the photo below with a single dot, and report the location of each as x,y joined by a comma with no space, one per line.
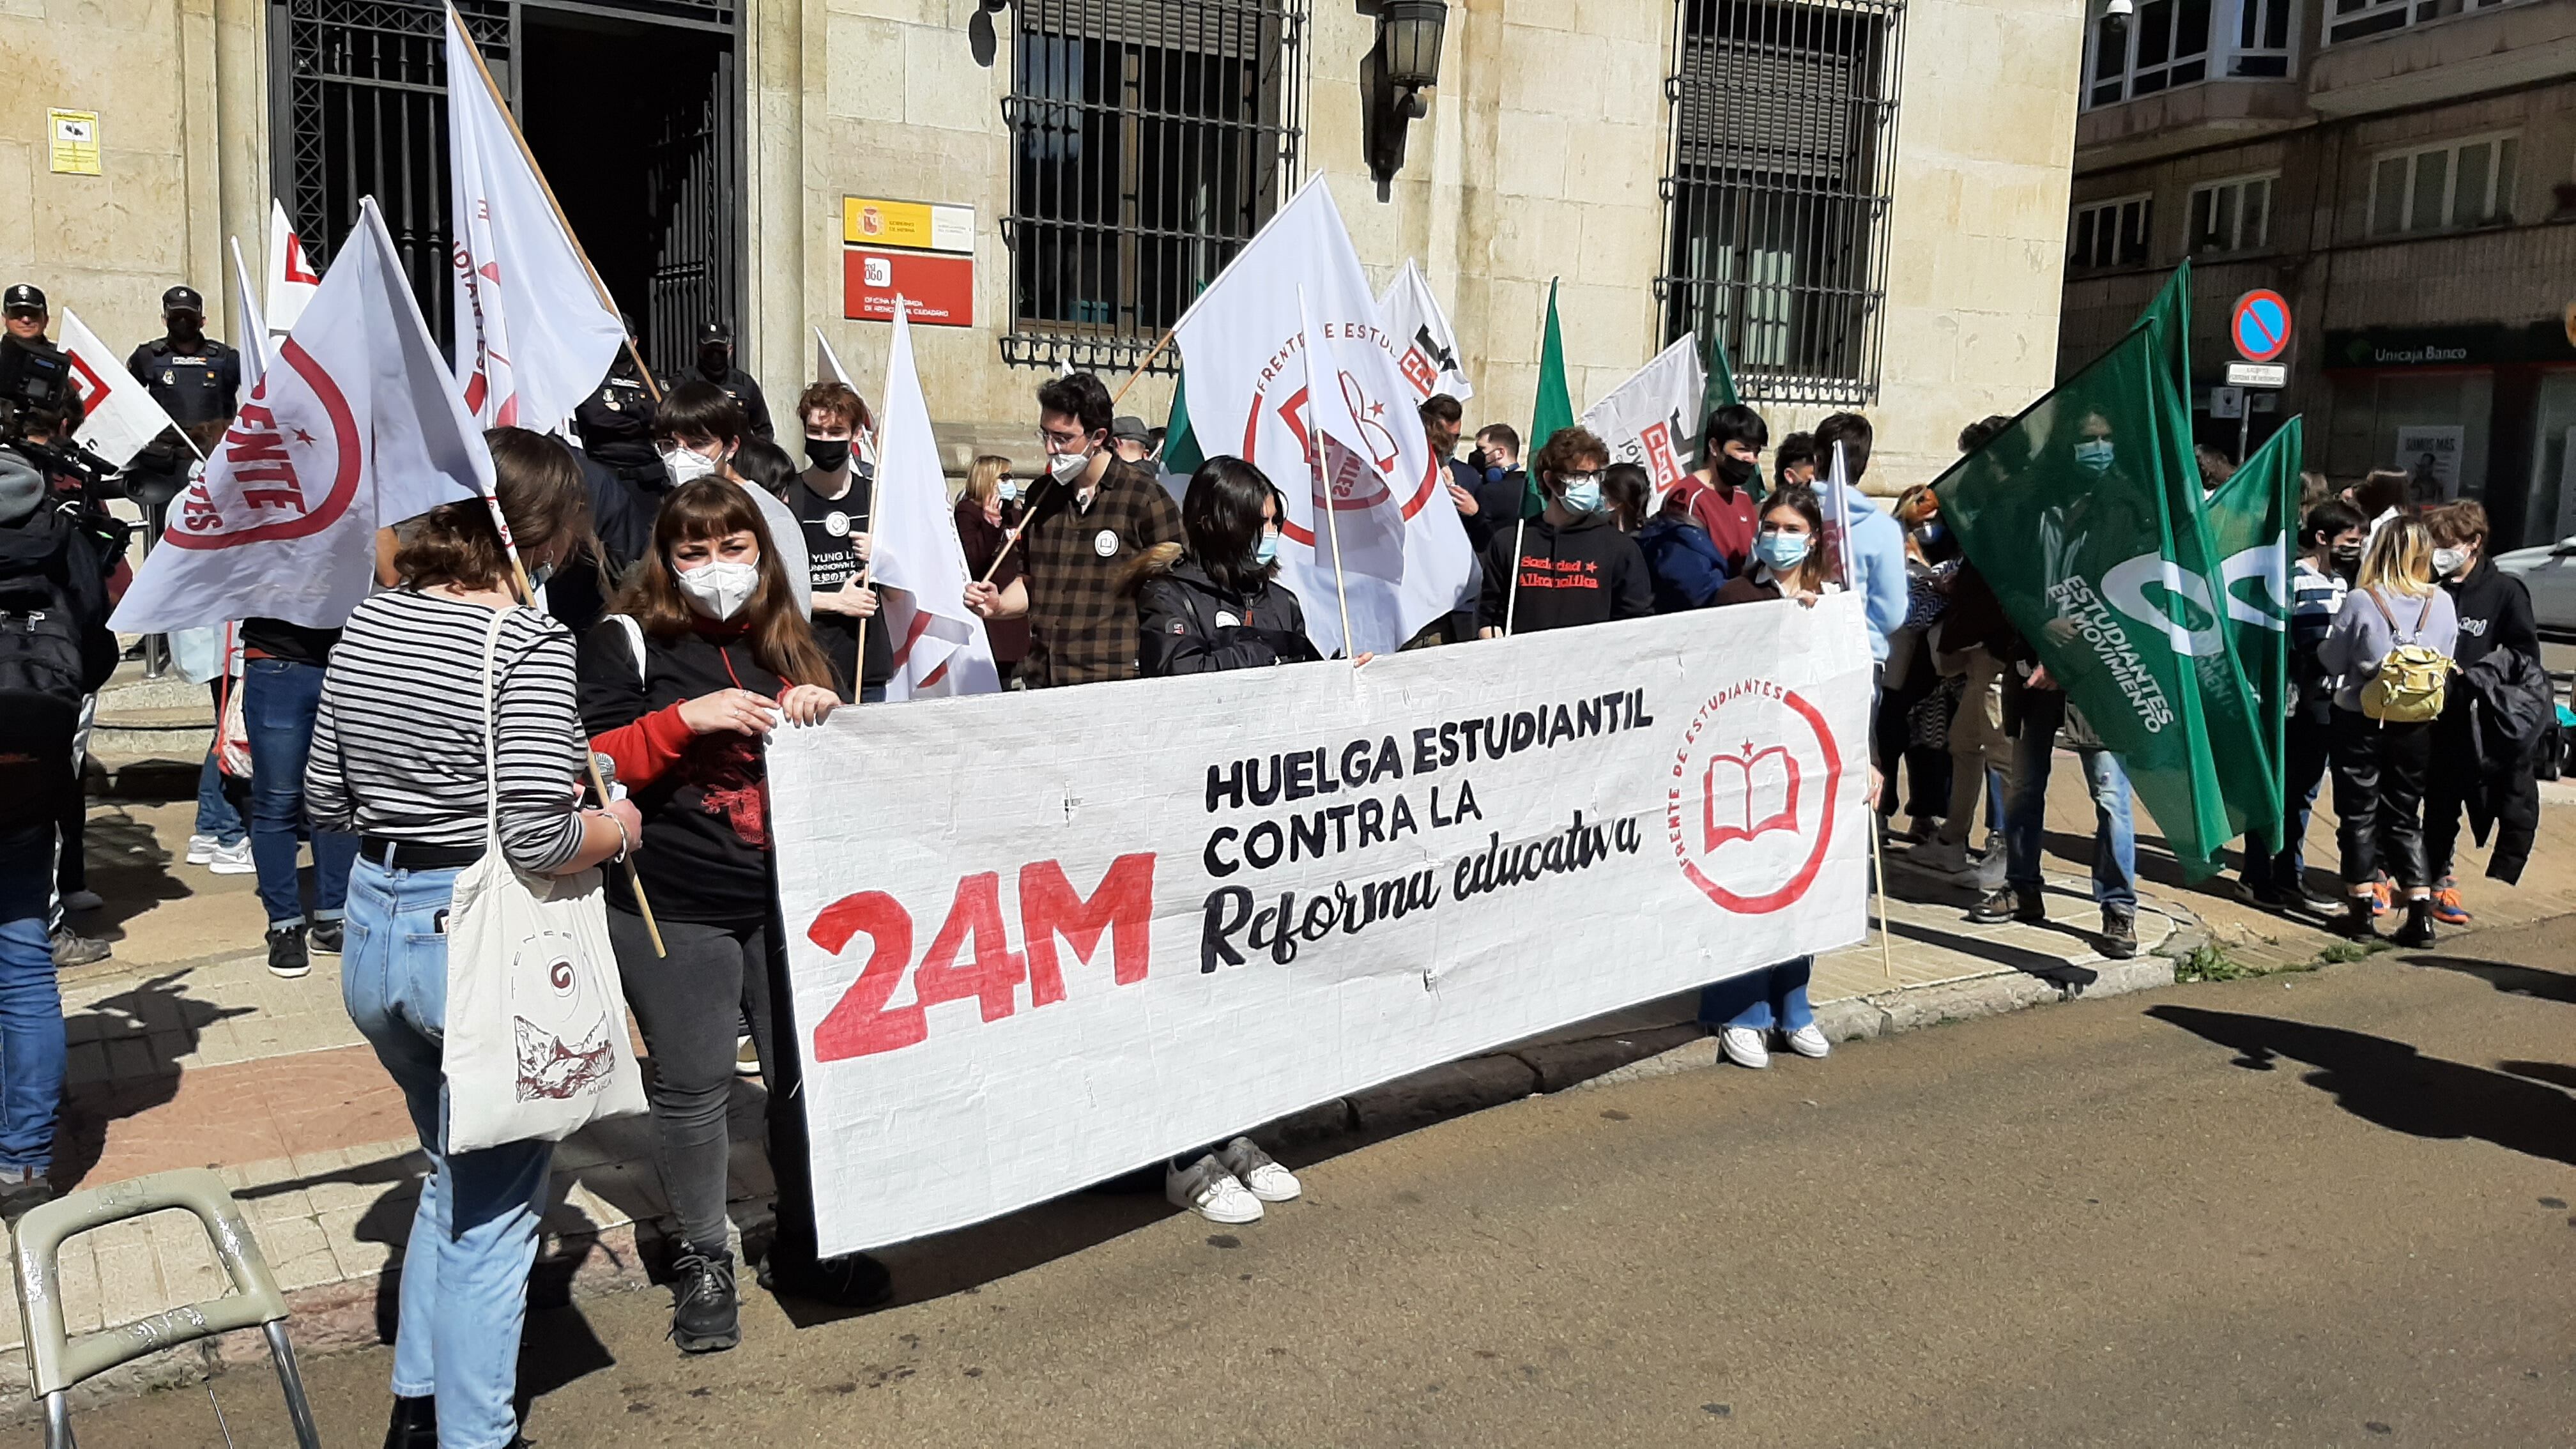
218,819
31,1002
2115,841
1772,996
474,1238
278,699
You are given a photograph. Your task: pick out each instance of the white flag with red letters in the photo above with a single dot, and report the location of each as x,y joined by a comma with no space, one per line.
533,334
356,426
1425,345
291,279
919,568
119,415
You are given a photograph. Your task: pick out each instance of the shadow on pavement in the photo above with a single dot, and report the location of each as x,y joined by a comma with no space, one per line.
2395,1086
157,1018
129,868
2505,977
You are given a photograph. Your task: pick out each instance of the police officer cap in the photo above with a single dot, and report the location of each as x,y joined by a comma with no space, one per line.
182,299
24,297
715,332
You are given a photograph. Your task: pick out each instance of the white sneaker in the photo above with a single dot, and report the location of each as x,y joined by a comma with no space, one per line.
1940,853
1206,1188
1809,1041
233,859
1262,1177
83,901
1744,1047
201,848
1994,846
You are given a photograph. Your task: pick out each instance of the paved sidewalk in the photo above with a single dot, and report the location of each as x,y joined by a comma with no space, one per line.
186,1052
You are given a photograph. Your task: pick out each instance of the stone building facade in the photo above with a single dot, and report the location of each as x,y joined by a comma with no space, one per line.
1866,194
2403,172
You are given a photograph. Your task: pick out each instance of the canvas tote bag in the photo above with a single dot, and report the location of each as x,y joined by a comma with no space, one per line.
537,1046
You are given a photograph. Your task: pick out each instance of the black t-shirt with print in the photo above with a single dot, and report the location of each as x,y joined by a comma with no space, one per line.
829,522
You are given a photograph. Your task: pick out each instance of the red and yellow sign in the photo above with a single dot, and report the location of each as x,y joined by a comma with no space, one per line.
914,225
941,289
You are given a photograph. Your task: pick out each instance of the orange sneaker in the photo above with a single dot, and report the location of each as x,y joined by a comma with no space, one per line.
2382,897
2446,905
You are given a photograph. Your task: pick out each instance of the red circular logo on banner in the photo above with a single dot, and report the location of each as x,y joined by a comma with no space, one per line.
1750,807
1355,485
287,472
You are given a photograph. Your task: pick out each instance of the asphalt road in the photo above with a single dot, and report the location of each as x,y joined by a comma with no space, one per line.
2326,1209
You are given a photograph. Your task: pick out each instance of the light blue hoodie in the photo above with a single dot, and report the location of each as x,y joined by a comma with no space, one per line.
1878,561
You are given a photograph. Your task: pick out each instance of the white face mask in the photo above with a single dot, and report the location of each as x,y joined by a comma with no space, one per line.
1065,467
719,589
687,465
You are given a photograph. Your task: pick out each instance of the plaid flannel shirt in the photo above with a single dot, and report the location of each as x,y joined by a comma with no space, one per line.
1082,600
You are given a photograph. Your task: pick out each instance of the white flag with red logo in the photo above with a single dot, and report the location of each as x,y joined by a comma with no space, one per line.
256,347
118,414
533,334
917,564
291,279
1651,419
1249,395
356,426
1425,346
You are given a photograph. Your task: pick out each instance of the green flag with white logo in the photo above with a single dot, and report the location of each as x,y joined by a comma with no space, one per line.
2251,518
2085,518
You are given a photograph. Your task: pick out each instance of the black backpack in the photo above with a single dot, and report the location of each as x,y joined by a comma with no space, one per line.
40,653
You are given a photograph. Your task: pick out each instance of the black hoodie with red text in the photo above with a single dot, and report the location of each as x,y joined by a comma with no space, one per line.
1583,573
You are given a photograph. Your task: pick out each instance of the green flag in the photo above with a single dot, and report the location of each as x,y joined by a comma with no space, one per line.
1180,446
1555,407
2251,518
1720,389
2085,518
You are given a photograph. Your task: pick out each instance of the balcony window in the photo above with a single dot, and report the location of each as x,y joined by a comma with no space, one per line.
2171,43
2110,234
2359,19
2440,188
2232,216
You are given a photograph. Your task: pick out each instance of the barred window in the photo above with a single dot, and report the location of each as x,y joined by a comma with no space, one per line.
1783,155
1149,140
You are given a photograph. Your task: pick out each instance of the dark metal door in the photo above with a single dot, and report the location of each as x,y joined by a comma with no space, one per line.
359,92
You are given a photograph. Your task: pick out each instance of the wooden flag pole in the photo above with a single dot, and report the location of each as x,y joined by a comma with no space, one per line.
1141,369
1333,531
516,135
1878,858
528,595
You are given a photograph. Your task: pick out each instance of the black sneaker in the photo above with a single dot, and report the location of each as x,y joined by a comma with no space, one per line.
286,952
322,938
74,949
2008,903
705,1315
2119,933
415,1424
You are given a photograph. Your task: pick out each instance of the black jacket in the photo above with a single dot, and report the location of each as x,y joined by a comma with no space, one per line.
49,566
1584,573
2495,613
738,385
1188,623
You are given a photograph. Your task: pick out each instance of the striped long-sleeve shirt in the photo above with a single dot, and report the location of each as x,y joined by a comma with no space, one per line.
398,739
2315,598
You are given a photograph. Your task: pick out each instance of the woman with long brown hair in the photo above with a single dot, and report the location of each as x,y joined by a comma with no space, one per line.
704,655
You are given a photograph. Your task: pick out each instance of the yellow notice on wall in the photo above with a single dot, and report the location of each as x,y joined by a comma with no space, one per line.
929,226
75,137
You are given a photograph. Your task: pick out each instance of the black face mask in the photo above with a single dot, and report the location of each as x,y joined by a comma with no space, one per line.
1735,471
185,330
715,361
828,454
2347,559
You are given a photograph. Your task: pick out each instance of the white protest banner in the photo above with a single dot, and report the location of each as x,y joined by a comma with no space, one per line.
119,415
1247,396
291,279
356,425
1114,923
1652,418
1427,348
534,331
939,643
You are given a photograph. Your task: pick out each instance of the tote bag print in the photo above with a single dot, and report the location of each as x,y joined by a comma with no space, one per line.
560,1029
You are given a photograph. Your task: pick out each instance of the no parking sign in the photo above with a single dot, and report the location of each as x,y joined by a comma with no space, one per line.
2260,325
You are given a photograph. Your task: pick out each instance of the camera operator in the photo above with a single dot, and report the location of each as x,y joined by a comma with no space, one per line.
196,379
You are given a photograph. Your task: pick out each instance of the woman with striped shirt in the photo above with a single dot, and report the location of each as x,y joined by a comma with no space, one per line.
398,761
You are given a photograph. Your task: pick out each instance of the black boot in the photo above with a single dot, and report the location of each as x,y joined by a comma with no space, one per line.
706,1317
2418,930
415,1424
2359,919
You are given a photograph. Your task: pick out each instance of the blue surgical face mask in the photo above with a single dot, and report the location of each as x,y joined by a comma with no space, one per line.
1266,551
1008,490
2094,454
1780,552
1583,494
538,575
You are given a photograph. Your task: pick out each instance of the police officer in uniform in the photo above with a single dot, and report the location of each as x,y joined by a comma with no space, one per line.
24,308
196,379
715,364
616,422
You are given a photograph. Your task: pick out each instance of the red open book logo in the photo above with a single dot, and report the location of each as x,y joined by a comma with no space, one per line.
1739,822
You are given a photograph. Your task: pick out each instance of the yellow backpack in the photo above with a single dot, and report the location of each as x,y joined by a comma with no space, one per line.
2413,681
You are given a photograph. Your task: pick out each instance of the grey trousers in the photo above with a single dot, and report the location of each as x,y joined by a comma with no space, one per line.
688,1004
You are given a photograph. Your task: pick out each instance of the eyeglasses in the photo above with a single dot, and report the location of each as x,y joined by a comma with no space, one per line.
1576,480
1063,440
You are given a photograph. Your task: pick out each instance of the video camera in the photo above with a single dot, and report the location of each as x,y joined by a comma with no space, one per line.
36,395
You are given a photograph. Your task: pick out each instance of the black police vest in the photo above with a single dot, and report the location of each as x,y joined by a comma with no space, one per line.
190,388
